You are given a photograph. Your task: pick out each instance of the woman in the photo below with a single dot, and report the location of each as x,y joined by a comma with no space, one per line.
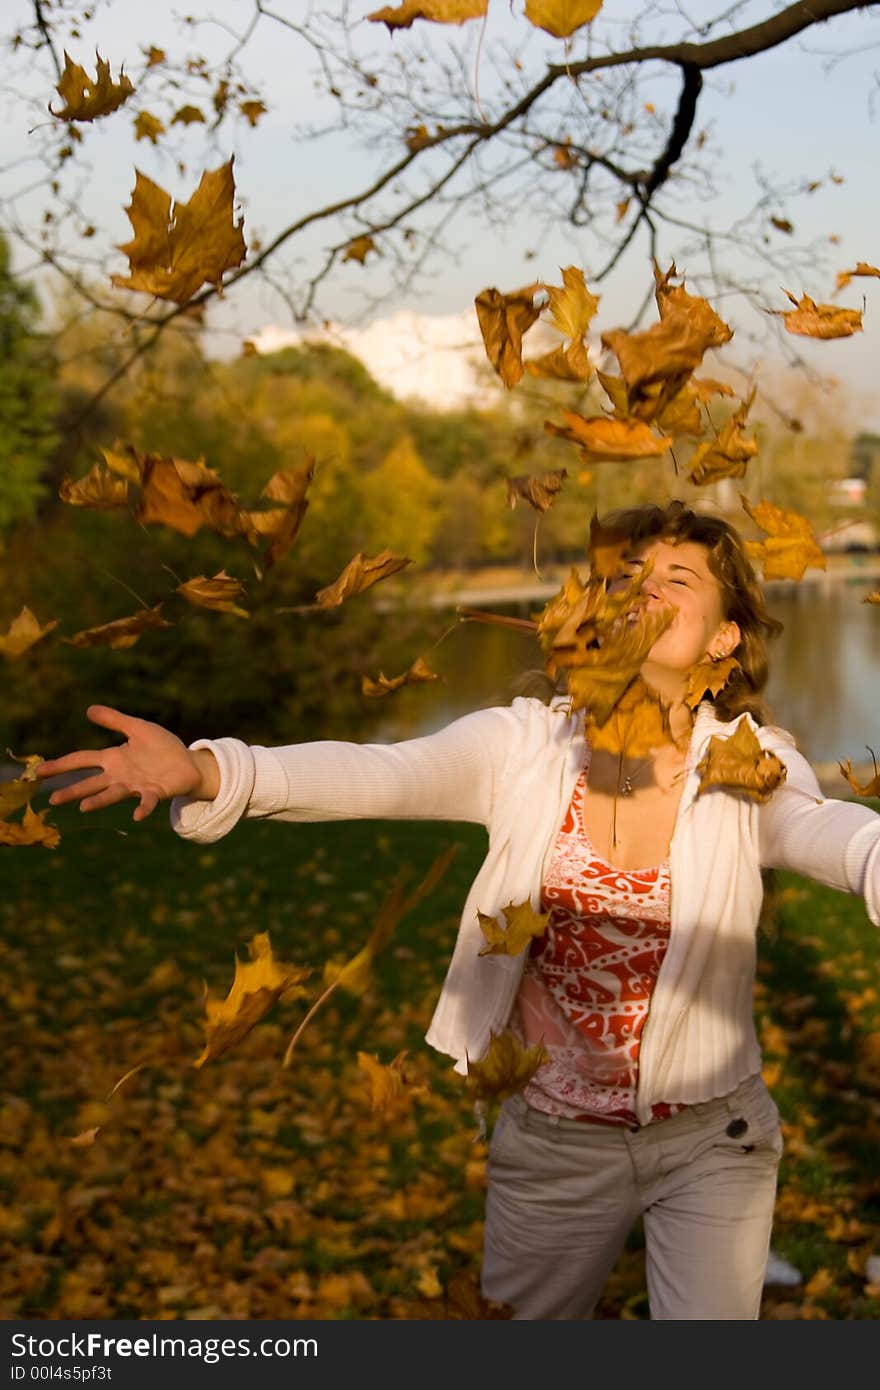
651,1101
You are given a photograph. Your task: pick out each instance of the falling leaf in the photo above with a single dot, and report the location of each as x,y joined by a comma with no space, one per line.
391,1086
565,363
19,790
252,111
186,496
638,723
615,389
726,456
148,127
789,546
280,526
606,549
174,252
621,209
359,574
188,115
522,925
862,268
419,673
86,99
782,224
121,633
564,156
86,1137
503,319
538,489
437,11
219,593
812,320
872,787
125,461
561,17
359,249
32,829
682,415
873,597
98,489
22,633
506,1067
154,56
709,678
416,137
674,301
257,985
602,438
738,763
573,306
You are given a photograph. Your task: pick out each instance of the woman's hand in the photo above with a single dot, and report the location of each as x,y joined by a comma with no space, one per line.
152,765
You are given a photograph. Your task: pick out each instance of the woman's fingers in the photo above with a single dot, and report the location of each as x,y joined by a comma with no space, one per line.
148,803
88,786
71,762
110,718
117,791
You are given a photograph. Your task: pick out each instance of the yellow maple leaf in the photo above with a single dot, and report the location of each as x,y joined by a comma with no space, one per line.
522,925
218,592
561,18
569,362
252,111
789,546
257,985
738,763
188,115
22,633
32,829
638,723
506,1067
437,11
708,678
98,490
359,248
86,98
573,306
392,1086
175,251
19,790
148,127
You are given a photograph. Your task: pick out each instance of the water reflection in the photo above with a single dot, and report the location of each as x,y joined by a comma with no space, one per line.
824,683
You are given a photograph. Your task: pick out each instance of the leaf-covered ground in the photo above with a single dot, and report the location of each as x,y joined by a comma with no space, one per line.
245,1189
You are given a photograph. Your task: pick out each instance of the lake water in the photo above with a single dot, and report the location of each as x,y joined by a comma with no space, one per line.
824,685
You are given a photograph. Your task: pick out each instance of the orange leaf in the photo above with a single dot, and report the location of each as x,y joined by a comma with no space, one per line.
174,252
359,248
726,456
862,268
188,115
280,526
503,319
420,672
812,320
32,829
739,764
872,787
638,723
392,1086
571,363
186,496
561,18
252,111
708,678
437,11
602,438
789,546
85,99
121,633
361,573
257,985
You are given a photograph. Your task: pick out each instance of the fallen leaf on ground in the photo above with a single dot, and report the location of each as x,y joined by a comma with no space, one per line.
738,763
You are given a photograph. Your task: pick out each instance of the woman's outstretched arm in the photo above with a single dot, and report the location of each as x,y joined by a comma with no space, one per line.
151,764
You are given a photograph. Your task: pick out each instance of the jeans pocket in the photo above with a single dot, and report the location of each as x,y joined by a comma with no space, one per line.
752,1124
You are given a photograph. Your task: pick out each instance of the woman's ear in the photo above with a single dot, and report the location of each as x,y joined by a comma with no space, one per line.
726,639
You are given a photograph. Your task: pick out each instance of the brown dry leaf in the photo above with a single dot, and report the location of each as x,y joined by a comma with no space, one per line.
148,127
280,526
121,633
726,456
738,763
359,248
573,306
19,791
871,788
219,593
621,209
85,98
174,252
506,1067
252,111
503,319
187,496
85,1138
464,1299
638,723
873,597
862,268
437,11
606,549
522,925
98,489
188,115
32,829
361,573
571,363
789,546
538,489
564,156
155,56
812,320
681,415
22,633
782,224
601,437
561,18
615,389
419,673
708,678
392,1087
674,301
258,984
125,461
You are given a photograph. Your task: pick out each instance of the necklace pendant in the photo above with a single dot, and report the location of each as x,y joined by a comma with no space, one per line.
626,787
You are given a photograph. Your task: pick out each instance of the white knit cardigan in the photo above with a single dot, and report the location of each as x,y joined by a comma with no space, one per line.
513,769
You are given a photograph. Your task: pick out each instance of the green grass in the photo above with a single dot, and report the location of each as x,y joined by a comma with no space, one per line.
104,948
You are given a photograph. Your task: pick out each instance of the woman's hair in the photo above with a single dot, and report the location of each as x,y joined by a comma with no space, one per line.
742,599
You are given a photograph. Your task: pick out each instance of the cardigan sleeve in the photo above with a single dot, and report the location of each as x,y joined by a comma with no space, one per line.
450,775
834,842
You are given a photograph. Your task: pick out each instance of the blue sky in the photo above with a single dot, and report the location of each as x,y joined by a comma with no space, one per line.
786,111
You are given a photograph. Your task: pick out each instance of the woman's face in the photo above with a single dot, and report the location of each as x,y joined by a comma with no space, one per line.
680,578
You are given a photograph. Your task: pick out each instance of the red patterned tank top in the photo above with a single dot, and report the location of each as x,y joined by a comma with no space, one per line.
587,983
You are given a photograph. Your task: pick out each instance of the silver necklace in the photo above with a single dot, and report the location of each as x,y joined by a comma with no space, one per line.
626,786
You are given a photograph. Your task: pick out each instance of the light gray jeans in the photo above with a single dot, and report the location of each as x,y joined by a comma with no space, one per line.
563,1196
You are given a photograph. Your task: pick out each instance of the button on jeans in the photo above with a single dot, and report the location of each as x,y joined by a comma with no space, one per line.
563,1196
